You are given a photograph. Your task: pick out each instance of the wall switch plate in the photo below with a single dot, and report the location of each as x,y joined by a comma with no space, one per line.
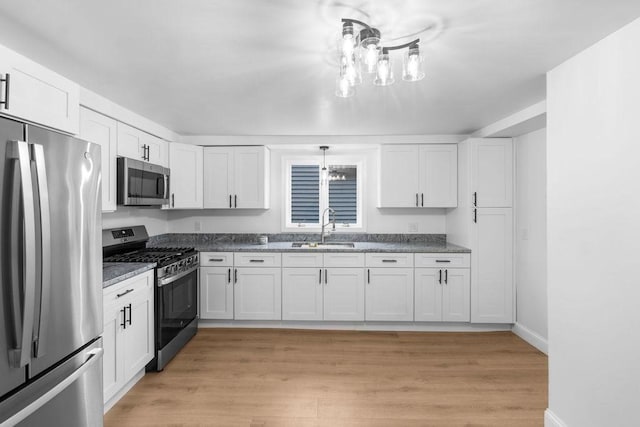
413,227
197,226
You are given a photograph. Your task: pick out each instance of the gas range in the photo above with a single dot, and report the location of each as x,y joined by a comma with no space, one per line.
176,287
170,261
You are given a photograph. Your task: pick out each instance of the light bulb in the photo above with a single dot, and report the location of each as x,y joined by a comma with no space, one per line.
371,58
348,44
384,73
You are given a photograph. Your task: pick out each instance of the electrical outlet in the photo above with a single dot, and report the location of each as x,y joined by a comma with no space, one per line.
413,227
197,226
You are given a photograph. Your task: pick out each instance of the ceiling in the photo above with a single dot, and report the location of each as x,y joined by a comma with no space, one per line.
251,67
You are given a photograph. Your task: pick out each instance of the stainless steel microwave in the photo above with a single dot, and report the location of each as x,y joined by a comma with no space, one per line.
141,183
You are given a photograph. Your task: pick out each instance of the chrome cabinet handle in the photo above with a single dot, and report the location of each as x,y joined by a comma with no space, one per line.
124,293
18,151
7,85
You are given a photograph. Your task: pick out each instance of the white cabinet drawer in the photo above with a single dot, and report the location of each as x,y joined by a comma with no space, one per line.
344,259
257,259
389,260
216,259
304,259
128,288
444,260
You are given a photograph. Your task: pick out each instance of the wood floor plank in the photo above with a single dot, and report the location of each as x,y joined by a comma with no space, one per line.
271,377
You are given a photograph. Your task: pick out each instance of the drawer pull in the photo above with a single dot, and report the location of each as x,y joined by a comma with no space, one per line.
256,260
216,259
124,293
443,260
389,260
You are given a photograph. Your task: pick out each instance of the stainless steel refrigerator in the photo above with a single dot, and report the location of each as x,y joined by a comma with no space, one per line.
51,276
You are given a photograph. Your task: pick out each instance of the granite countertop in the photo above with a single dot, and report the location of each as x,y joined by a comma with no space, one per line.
116,272
358,247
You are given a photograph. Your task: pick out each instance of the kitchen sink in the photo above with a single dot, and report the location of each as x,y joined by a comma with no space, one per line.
326,245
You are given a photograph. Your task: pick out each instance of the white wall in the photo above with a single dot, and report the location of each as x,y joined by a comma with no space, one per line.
154,218
270,221
593,187
531,237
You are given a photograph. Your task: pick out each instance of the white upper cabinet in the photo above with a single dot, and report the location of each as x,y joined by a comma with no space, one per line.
136,144
399,169
185,162
438,176
492,173
236,177
102,130
36,94
424,176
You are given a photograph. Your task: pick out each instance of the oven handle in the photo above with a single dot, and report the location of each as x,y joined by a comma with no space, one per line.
165,281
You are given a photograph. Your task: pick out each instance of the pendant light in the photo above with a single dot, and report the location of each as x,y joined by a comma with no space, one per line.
324,172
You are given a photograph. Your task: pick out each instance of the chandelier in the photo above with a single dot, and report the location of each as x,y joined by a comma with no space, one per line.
365,50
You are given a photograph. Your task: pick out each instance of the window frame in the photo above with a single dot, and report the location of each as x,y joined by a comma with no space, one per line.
358,162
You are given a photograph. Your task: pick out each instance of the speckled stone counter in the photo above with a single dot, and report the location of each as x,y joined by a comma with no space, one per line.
420,243
116,272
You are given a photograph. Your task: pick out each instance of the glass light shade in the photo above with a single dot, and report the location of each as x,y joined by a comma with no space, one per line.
412,65
350,68
344,89
384,71
346,44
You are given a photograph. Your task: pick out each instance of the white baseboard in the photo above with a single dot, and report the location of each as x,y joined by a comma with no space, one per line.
531,337
356,326
124,390
552,420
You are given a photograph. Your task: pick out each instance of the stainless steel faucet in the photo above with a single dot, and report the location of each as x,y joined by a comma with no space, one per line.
333,212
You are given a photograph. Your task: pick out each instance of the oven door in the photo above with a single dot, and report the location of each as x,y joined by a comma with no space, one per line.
141,183
176,305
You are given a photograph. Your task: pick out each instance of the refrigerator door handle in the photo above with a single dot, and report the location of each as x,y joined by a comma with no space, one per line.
45,260
21,355
94,356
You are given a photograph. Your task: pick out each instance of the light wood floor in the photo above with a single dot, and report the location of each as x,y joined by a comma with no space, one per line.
263,377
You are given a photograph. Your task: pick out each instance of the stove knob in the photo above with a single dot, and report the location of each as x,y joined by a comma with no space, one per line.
167,270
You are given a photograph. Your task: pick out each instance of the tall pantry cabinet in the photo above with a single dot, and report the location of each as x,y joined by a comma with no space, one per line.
483,222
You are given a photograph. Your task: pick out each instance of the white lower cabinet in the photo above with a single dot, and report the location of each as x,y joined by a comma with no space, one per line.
442,294
389,294
258,293
344,294
216,292
302,290
128,336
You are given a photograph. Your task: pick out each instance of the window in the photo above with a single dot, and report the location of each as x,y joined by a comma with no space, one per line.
309,193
